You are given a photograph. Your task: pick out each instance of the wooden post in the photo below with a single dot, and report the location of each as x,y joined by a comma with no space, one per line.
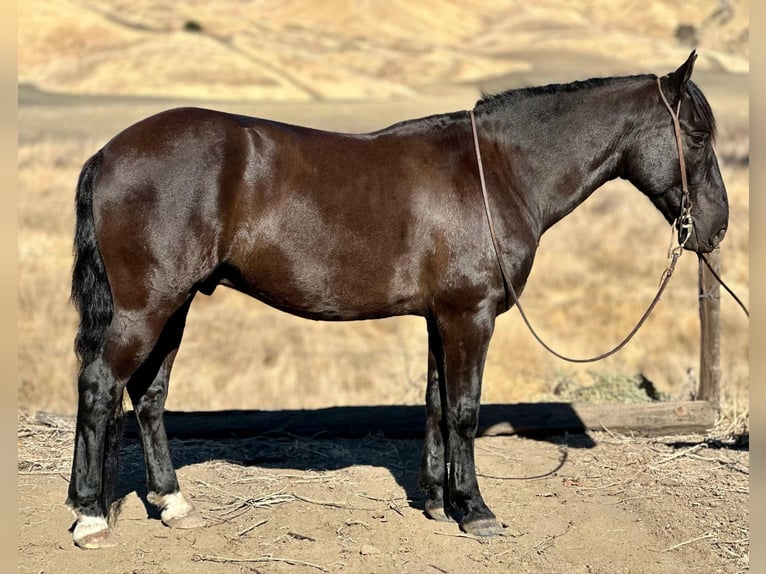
710,343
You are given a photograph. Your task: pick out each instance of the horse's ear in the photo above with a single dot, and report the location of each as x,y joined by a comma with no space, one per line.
676,81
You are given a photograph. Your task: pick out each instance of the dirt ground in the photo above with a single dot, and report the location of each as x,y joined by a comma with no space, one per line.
596,503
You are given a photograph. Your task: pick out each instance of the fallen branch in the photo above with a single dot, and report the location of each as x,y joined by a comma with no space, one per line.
468,536
267,558
682,453
548,541
690,541
320,502
249,528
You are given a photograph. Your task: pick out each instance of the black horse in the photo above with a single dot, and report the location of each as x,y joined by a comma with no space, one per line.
343,227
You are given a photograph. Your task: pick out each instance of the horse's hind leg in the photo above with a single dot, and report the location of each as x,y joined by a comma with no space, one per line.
148,389
127,343
98,414
432,464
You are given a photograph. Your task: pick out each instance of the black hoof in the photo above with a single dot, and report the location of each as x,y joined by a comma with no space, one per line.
484,527
434,509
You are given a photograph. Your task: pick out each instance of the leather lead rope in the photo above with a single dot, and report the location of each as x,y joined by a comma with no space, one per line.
737,300
684,223
507,287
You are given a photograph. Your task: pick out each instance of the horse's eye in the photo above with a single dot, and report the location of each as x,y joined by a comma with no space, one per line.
698,139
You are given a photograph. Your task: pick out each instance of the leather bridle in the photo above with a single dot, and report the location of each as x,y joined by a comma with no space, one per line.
684,221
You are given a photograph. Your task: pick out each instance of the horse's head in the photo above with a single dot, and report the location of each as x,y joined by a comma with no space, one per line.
652,161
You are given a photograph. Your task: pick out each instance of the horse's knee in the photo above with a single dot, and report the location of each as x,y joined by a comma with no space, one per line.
464,421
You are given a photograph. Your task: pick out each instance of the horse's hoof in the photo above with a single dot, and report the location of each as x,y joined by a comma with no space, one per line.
434,509
191,520
103,539
93,532
484,527
177,512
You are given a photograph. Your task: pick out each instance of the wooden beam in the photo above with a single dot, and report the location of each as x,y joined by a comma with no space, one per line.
710,324
658,418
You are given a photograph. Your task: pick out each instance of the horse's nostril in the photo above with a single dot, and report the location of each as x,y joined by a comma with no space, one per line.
719,237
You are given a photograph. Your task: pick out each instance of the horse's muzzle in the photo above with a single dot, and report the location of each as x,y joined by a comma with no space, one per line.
699,245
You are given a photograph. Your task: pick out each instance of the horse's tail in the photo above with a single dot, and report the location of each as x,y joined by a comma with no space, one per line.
91,294
92,297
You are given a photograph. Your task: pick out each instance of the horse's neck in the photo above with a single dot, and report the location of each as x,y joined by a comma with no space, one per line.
557,162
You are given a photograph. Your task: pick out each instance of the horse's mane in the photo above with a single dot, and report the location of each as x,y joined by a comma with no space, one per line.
492,102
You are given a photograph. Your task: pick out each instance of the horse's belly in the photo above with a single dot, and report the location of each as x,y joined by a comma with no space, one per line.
341,285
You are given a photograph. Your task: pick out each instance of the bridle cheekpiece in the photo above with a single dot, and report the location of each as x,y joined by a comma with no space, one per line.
684,222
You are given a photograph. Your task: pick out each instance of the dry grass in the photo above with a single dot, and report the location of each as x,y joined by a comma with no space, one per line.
595,273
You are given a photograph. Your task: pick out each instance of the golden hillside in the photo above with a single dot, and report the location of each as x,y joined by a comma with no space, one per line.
346,49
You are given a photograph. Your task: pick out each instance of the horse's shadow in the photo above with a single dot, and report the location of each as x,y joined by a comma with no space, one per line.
335,438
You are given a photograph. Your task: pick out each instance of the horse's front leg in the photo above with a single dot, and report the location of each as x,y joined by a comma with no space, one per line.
465,338
433,464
